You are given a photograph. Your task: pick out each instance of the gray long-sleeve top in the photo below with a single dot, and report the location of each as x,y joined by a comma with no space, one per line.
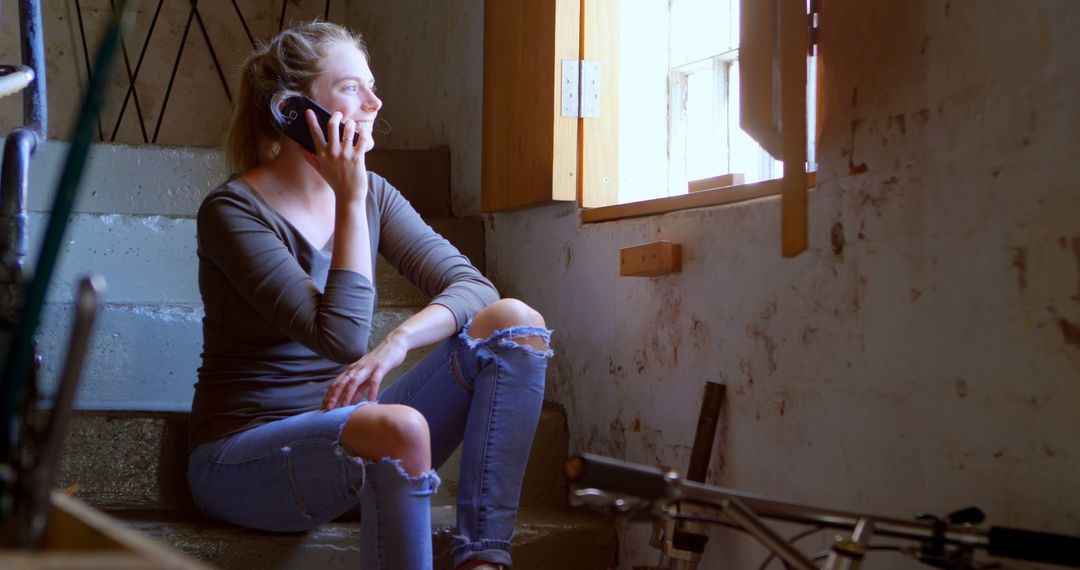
280,324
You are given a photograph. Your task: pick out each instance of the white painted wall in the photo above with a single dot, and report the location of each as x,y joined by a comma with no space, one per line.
925,359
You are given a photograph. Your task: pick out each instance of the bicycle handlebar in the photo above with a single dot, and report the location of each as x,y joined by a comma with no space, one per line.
653,485
1034,546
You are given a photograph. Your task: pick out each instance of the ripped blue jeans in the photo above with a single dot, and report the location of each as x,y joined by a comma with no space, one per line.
294,474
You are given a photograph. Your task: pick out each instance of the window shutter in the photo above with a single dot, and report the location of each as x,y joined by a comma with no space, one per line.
774,39
599,167
529,151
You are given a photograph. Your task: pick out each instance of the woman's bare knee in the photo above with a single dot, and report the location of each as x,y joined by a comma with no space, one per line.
506,313
376,431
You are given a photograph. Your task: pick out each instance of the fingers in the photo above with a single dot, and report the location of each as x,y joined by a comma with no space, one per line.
373,385
316,132
348,136
333,131
352,386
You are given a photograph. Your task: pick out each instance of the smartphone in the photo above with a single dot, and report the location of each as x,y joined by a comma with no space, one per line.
295,123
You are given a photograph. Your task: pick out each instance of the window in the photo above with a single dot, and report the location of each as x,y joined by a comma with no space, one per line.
679,99
694,74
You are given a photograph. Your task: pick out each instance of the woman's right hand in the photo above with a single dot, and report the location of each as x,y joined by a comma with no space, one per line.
342,165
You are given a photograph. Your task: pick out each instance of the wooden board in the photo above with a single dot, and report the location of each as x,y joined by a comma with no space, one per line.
715,182
716,197
793,202
529,150
599,170
650,259
81,537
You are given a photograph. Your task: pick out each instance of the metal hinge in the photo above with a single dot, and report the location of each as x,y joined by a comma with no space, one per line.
813,22
581,88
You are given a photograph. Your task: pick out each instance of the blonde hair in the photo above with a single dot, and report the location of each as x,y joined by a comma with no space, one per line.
286,66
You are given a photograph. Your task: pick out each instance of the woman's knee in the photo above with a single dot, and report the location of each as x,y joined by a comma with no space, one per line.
390,430
503,314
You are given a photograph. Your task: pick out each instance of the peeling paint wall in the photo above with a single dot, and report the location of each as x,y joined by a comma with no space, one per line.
922,356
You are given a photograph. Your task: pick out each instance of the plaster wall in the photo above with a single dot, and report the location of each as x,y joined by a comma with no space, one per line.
922,356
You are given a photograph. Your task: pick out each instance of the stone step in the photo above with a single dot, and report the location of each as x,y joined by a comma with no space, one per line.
145,356
150,259
124,460
545,539
171,181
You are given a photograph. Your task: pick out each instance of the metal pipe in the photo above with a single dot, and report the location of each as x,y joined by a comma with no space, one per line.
35,98
14,181
847,554
48,453
830,518
705,435
749,521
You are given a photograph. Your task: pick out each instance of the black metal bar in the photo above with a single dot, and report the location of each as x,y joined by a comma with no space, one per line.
172,77
86,58
131,83
243,23
135,76
48,449
35,99
326,12
213,54
705,435
18,148
281,20
13,383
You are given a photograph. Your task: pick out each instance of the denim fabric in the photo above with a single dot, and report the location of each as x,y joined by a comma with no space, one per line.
294,474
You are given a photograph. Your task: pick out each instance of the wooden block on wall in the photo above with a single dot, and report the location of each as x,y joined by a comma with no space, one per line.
650,259
716,182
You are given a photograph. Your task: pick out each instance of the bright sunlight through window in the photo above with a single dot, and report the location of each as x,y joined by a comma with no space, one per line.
679,99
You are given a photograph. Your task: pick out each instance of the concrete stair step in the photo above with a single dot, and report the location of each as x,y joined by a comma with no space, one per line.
171,181
145,356
128,460
150,259
545,539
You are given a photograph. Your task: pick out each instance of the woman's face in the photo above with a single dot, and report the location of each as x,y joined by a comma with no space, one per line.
348,86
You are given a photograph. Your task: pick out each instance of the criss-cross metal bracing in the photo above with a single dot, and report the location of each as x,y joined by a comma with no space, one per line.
132,95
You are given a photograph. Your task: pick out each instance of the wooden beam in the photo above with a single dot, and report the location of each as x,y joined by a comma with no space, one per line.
717,197
793,203
715,182
650,259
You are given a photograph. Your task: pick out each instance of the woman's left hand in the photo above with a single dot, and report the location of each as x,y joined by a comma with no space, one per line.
364,376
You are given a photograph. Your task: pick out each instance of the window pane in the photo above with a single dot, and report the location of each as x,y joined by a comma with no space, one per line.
643,100
703,152
705,28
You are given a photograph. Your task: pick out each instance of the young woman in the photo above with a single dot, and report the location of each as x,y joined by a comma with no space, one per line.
287,428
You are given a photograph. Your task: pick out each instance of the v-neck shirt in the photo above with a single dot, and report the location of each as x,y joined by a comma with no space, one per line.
280,324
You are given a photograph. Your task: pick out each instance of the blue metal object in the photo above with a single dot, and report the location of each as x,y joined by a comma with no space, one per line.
35,98
16,371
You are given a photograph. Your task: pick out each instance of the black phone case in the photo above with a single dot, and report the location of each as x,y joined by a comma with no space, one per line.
294,123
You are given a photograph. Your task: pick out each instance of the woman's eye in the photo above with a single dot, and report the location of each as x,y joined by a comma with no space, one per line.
352,87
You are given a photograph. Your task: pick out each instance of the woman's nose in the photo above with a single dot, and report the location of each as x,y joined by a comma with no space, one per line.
371,102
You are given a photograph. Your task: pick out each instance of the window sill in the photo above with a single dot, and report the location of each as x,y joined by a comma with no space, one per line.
717,197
